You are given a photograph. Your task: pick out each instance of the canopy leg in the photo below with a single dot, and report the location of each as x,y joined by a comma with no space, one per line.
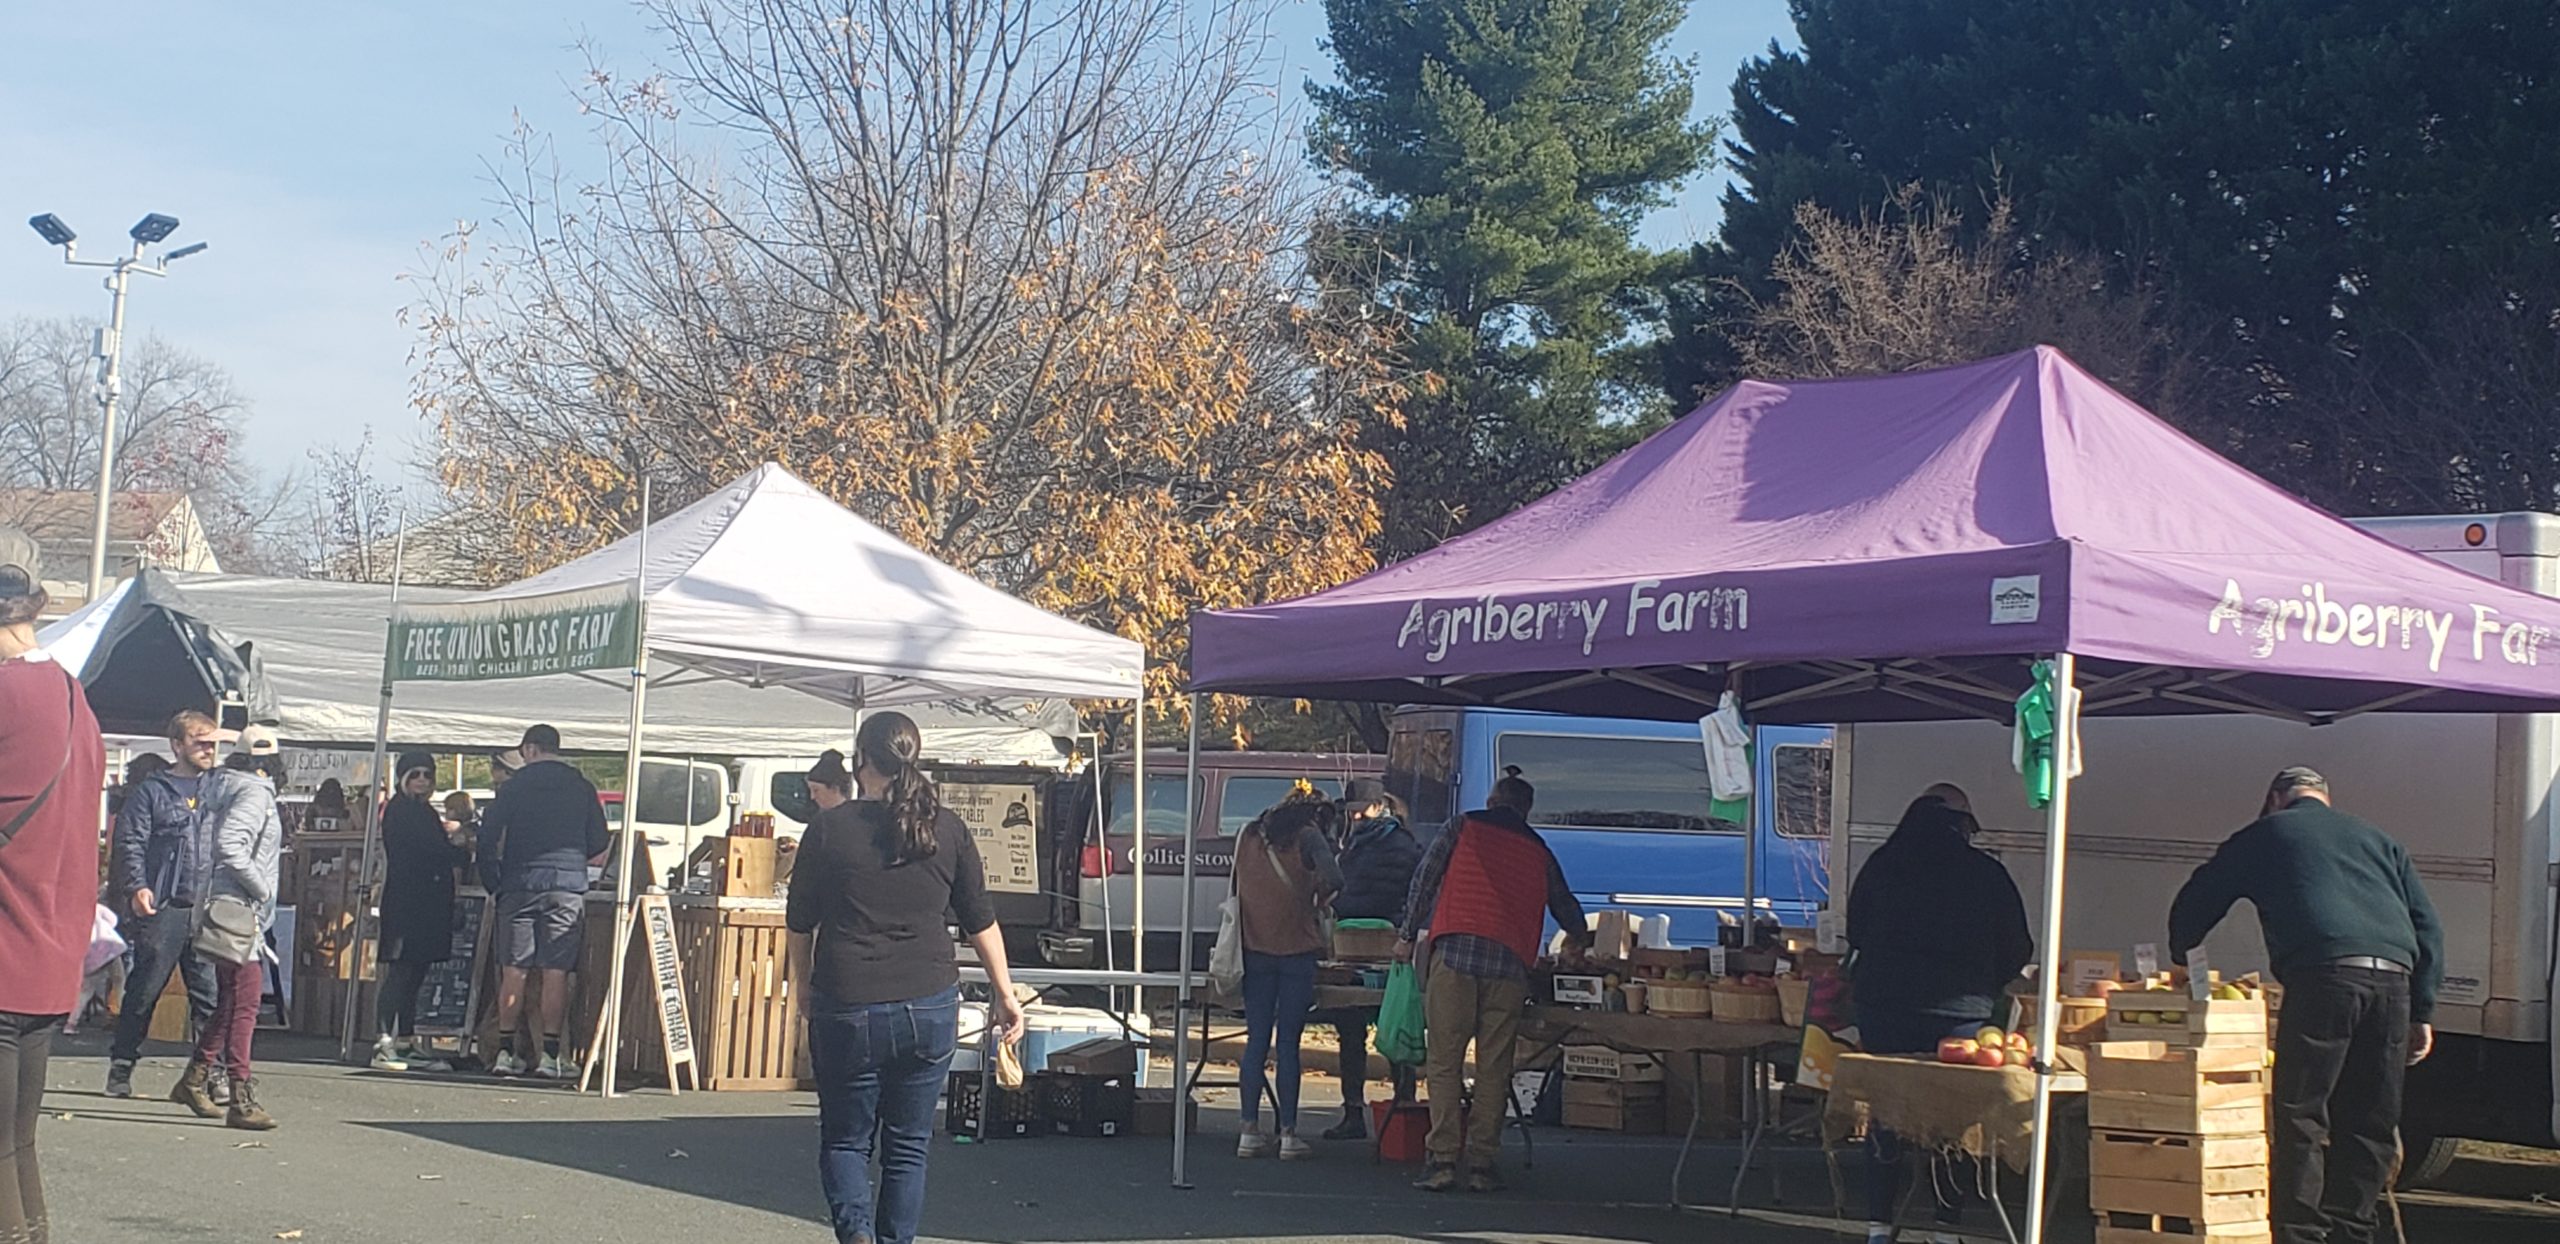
1182,970
2057,821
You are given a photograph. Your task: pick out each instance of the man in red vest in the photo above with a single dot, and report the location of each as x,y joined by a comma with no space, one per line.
1479,903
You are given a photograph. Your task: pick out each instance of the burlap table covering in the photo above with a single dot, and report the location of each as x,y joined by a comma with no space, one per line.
1978,1110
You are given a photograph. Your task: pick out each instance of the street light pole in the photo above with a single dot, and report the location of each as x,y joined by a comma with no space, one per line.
110,351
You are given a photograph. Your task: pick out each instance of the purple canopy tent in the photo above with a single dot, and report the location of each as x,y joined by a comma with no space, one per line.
1902,548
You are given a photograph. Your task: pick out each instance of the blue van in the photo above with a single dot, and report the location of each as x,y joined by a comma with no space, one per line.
1626,807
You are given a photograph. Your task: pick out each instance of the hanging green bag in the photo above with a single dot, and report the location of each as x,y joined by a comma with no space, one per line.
1400,1037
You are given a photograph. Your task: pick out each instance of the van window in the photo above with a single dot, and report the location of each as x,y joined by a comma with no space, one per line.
1802,802
1164,805
673,793
789,798
1614,783
1421,768
1248,795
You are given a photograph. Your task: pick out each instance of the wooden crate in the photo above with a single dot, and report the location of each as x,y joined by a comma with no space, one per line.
2127,1228
2217,1163
2145,1112
2215,1023
2213,1076
2172,1200
749,1004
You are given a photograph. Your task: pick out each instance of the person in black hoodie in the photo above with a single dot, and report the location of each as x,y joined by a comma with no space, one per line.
1938,932
1378,856
417,906
536,841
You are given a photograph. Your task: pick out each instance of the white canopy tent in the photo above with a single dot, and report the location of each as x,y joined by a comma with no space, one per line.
768,583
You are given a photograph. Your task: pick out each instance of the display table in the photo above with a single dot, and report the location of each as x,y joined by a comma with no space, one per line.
1672,1036
739,991
1982,1112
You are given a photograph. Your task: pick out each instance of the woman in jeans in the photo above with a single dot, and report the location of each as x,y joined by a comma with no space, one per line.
417,909
240,801
1938,931
52,770
878,883
1284,873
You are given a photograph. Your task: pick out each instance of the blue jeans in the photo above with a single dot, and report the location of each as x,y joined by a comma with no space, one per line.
879,1068
1950,1176
162,944
1278,989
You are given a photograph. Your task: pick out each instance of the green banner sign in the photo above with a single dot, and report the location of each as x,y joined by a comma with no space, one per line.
594,628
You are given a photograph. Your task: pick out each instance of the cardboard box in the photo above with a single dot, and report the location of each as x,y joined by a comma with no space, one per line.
1607,1106
1599,1062
1101,1056
1154,1113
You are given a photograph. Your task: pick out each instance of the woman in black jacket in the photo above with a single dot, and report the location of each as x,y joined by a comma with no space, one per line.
1378,856
1938,931
417,906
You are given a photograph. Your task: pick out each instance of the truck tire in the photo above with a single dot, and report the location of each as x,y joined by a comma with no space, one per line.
2424,1158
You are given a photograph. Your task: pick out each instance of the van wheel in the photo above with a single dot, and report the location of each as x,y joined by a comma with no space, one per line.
2424,1159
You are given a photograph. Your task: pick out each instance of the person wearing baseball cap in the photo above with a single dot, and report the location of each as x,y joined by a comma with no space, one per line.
2356,942
537,840
52,776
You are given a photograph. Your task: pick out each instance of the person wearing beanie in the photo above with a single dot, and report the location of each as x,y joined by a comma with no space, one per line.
421,860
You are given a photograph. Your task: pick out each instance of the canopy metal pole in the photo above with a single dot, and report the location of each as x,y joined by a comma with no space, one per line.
2057,834
379,798
1138,851
1182,971
626,886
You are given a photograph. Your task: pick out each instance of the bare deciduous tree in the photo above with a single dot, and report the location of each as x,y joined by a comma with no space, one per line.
1015,278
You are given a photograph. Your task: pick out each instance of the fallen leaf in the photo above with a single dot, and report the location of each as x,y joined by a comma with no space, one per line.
294,1234
430,1176
65,1116
251,1144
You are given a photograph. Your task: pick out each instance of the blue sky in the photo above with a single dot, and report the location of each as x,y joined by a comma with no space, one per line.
322,149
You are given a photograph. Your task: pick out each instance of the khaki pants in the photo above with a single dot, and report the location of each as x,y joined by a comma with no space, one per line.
1458,1008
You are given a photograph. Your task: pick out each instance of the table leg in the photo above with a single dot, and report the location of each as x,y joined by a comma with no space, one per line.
1697,1115
1754,1122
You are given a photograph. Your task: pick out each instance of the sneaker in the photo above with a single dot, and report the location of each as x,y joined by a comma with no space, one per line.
1440,1178
555,1067
245,1113
1879,1233
387,1056
217,1085
508,1064
1352,1127
1252,1145
1486,1179
120,1078
1293,1149
193,1091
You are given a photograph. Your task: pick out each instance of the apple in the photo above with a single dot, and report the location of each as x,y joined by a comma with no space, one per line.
1990,1056
1991,1036
1957,1050
2018,1041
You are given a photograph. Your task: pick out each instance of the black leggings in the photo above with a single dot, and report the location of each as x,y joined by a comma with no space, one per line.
26,1045
395,1008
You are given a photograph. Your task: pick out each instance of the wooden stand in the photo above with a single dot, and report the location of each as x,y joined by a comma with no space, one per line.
741,994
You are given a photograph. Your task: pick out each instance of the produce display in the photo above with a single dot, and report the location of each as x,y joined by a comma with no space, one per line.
1991,1047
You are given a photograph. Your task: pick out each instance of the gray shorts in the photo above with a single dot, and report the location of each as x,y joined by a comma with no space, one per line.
544,929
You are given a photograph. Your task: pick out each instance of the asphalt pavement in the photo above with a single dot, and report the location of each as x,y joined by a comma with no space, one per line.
414,1159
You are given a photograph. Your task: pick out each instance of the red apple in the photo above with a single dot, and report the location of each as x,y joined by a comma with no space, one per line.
1957,1050
1990,1056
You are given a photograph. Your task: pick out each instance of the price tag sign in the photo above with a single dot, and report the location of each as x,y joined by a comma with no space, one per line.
2146,959
2199,975
1786,967
1715,961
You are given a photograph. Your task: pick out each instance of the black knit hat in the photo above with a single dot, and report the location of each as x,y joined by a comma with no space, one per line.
411,762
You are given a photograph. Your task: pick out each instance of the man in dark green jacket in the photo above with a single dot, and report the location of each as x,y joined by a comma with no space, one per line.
2358,948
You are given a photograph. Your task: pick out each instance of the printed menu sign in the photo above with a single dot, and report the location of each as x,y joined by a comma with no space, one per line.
1000,816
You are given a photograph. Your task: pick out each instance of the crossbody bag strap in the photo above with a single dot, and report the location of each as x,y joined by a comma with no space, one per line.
70,720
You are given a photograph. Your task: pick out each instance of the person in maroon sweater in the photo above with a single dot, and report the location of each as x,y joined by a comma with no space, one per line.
52,772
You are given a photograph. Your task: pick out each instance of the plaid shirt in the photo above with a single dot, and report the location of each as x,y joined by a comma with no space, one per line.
1470,955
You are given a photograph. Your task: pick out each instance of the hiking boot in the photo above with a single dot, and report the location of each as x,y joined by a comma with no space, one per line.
1252,1145
120,1078
1352,1127
1486,1179
193,1091
246,1114
387,1056
217,1085
1440,1178
1293,1149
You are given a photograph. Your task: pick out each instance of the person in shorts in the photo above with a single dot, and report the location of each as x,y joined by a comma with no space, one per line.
537,838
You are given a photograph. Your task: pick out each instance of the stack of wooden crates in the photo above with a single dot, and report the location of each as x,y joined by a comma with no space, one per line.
2178,1121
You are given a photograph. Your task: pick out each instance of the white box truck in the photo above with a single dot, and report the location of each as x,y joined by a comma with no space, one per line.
2471,796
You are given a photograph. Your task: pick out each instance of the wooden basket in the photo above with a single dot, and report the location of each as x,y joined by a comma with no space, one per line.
1735,1004
1678,998
1794,997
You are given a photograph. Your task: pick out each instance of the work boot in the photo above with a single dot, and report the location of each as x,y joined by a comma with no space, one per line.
120,1078
1440,1178
194,1091
1486,1179
218,1085
245,1113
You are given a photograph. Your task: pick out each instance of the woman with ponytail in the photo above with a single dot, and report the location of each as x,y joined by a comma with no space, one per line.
879,883
1285,875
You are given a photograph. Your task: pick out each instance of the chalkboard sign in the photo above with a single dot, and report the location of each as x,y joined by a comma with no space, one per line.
666,977
444,1000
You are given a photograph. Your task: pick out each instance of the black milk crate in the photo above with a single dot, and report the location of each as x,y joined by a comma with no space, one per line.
1082,1105
980,1109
